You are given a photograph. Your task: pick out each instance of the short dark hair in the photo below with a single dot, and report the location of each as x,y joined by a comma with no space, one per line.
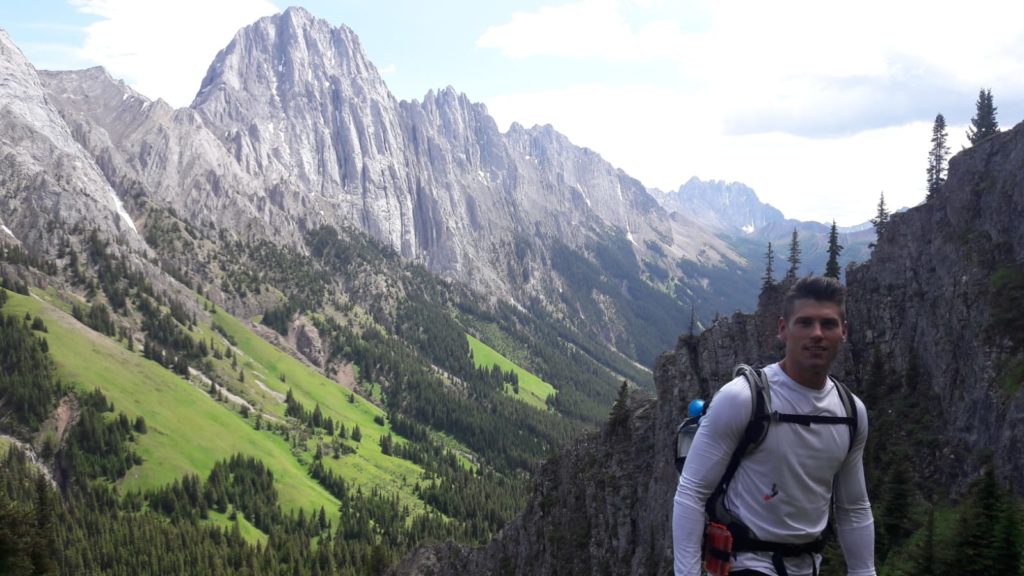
818,288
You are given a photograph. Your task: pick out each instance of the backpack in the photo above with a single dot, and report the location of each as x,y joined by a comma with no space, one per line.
761,419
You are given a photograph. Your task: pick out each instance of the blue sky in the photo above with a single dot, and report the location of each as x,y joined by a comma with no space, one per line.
818,106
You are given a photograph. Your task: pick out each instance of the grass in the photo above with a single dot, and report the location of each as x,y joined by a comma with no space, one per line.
368,467
188,432
251,533
532,389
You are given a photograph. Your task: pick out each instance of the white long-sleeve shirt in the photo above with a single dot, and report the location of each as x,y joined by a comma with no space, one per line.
782,489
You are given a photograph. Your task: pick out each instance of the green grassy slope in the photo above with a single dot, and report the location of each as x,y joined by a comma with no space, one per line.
368,466
188,431
532,389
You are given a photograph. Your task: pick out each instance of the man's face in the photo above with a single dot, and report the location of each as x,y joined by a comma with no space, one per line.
813,335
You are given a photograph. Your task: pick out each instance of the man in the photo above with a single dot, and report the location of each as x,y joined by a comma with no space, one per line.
783,488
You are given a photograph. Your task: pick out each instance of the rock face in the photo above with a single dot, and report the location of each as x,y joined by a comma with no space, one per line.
603,505
151,153
48,182
928,293
302,111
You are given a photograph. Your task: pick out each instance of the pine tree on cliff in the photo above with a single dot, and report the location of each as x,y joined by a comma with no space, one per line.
984,123
937,157
768,280
832,269
881,219
794,256
620,410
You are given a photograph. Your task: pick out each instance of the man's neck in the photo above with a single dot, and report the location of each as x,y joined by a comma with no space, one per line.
808,379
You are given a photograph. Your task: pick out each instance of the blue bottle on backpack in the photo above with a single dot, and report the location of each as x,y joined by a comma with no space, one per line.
686,431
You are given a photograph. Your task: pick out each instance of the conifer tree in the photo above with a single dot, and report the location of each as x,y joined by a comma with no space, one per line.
1009,537
881,219
923,552
44,547
768,280
620,409
794,256
834,249
977,549
984,123
937,156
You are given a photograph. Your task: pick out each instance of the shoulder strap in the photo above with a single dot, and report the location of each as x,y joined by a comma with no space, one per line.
849,407
850,404
753,434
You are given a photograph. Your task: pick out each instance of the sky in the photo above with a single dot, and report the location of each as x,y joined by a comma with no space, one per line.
818,106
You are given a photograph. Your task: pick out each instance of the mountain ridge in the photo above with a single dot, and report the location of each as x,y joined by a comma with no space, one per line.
294,129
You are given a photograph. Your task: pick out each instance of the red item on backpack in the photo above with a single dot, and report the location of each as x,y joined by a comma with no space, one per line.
717,550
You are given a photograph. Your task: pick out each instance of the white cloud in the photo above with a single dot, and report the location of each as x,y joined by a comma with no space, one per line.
585,29
807,67
164,48
817,106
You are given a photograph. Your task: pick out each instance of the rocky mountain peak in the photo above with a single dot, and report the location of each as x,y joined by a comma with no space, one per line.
728,205
47,180
292,53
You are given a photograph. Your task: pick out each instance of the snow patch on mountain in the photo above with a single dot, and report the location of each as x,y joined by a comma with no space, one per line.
122,212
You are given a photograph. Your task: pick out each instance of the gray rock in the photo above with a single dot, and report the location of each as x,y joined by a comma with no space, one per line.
47,181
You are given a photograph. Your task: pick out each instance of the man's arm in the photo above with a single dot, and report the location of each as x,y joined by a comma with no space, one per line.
854,522
719,434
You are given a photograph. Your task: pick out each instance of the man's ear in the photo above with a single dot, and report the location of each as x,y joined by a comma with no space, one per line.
782,329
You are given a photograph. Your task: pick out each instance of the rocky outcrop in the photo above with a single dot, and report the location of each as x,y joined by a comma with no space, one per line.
48,182
152,153
927,293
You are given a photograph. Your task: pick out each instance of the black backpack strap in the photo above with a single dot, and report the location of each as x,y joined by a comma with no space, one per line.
850,404
753,434
849,407
806,420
